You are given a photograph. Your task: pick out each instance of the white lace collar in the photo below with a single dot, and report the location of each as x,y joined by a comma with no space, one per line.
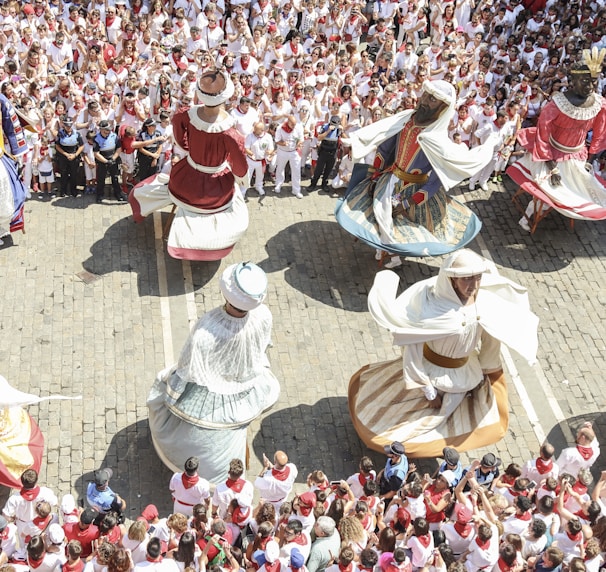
574,112
215,127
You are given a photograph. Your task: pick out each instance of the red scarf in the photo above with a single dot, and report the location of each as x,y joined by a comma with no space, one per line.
263,542
300,539
575,537
77,566
235,486
579,488
463,529
524,516
585,452
189,482
109,21
482,544
159,559
544,466
244,65
288,129
34,563
347,568
29,494
283,474
294,48
42,523
424,540
508,479
503,566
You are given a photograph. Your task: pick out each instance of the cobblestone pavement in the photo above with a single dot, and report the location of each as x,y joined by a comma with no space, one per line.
82,314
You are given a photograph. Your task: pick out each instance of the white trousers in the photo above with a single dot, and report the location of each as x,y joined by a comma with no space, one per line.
294,160
256,168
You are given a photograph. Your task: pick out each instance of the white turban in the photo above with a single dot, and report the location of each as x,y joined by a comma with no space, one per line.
244,285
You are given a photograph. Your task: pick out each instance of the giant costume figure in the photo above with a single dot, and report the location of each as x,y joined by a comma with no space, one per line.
211,214
554,169
12,191
401,206
449,390
21,441
203,405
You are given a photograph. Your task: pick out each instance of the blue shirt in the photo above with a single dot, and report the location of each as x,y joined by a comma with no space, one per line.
106,145
67,140
458,472
100,500
398,470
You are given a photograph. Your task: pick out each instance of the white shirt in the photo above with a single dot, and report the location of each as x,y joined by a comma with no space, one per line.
223,495
570,460
292,139
271,489
185,499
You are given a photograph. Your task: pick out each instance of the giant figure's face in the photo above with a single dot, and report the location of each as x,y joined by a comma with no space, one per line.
582,84
428,109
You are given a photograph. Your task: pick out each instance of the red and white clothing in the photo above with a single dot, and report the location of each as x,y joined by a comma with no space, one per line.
483,555
302,542
517,523
459,536
421,548
261,148
22,507
188,491
206,225
569,544
573,459
274,486
538,470
356,482
227,491
560,136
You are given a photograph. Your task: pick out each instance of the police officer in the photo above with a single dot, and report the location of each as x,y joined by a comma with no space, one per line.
149,154
69,146
106,147
328,136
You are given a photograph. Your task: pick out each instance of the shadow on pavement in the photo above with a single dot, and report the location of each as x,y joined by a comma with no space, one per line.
139,476
325,263
319,436
130,247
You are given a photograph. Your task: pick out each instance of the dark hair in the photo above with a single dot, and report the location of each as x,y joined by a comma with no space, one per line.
186,550
154,548
29,477
35,547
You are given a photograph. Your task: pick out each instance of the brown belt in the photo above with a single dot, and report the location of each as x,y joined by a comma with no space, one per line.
442,361
409,177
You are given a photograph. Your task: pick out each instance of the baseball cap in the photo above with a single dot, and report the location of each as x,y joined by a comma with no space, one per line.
102,476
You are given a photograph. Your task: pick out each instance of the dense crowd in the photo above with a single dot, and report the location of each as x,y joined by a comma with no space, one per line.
540,516
73,68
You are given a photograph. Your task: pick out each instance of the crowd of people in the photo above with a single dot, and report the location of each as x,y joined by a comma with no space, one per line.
98,81
539,516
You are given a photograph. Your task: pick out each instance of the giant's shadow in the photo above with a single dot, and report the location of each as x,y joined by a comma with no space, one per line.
319,436
327,264
139,476
130,247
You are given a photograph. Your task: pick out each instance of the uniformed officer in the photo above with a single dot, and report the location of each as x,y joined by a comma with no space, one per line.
106,147
69,146
148,155
328,136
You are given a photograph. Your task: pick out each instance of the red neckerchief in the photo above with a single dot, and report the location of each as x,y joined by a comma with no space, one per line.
323,486
579,488
159,559
370,501
524,516
366,520
244,67
508,479
300,539
283,474
503,566
482,544
585,452
136,9
130,111
30,494
34,563
347,568
424,540
294,50
4,534
528,50
490,113
575,537
463,529
189,482
77,566
109,21
263,542
42,523
179,24
288,129
544,466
